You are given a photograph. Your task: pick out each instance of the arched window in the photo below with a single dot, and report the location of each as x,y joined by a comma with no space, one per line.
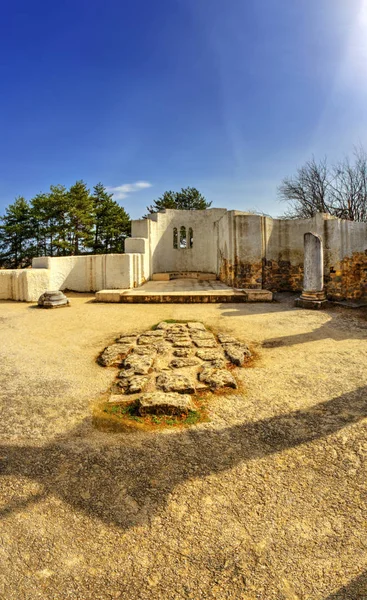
175,238
183,240
191,237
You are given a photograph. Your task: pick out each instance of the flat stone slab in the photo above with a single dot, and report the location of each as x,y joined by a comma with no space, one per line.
180,363
217,378
182,352
134,384
237,353
159,403
175,383
188,291
138,364
113,355
183,344
211,343
172,361
209,354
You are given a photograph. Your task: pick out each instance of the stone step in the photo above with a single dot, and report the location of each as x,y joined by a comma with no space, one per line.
168,276
213,297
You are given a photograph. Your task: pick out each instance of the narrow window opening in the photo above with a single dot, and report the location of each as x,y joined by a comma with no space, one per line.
191,237
183,240
175,238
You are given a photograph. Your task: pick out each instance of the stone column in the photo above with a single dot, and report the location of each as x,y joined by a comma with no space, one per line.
313,293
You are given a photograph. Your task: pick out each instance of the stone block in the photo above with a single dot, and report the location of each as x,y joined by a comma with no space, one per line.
159,403
175,383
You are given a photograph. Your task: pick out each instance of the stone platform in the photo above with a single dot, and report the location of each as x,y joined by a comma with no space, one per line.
182,291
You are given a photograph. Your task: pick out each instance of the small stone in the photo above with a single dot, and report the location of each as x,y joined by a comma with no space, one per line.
178,338
219,363
159,403
183,344
144,340
126,340
237,354
112,355
134,384
209,354
127,336
202,335
118,398
145,350
180,363
226,339
176,327
197,326
163,325
217,378
205,343
181,352
169,382
138,364
162,348
155,333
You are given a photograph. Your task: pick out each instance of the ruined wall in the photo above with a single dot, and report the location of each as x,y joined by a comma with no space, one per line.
261,252
23,284
94,272
345,249
203,254
283,257
240,249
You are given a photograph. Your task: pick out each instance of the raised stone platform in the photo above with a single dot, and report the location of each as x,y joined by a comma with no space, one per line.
183,291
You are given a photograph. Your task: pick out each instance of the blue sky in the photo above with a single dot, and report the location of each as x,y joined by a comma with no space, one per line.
227,96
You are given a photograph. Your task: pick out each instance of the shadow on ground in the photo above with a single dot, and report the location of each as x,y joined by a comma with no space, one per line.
125,483
355,590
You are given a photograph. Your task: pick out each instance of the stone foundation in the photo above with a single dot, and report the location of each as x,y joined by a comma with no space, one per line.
348,279
282,276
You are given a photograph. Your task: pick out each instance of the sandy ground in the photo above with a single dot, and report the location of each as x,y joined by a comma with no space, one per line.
268,500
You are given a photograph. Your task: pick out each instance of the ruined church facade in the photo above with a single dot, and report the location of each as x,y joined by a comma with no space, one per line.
243,250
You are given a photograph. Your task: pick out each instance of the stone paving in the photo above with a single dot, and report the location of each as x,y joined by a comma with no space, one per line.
164,366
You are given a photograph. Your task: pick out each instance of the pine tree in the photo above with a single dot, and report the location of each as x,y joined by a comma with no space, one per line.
187,199
17,243
112,223
80,218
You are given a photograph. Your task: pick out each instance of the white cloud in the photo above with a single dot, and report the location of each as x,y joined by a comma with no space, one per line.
121,191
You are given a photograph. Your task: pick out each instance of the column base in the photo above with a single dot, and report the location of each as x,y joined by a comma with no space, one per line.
313,300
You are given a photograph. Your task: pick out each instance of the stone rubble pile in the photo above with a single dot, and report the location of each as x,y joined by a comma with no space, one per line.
166,366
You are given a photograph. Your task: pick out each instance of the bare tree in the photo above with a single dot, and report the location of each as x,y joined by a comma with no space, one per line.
340,190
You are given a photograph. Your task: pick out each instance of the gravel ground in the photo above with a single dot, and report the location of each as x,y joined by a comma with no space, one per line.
267,500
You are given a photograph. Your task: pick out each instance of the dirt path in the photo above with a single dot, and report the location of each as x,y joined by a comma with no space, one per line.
265,501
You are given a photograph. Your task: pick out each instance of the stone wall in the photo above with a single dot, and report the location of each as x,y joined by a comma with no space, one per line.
348,279
243,250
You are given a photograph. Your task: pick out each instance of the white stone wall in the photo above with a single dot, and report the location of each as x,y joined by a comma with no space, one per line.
243,249
23,284
201,257
94,272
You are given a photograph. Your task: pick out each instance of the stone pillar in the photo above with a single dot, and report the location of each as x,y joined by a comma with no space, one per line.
313,293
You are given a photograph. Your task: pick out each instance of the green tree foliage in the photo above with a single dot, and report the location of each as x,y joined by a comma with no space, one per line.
112,223
62,222
16,235
80,218
187,199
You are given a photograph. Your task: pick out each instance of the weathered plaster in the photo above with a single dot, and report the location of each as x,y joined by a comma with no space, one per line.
243,250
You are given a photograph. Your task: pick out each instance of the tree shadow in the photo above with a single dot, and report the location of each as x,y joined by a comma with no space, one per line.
355,590
124,483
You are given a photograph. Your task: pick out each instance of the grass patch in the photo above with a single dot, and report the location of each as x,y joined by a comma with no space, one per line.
125,416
